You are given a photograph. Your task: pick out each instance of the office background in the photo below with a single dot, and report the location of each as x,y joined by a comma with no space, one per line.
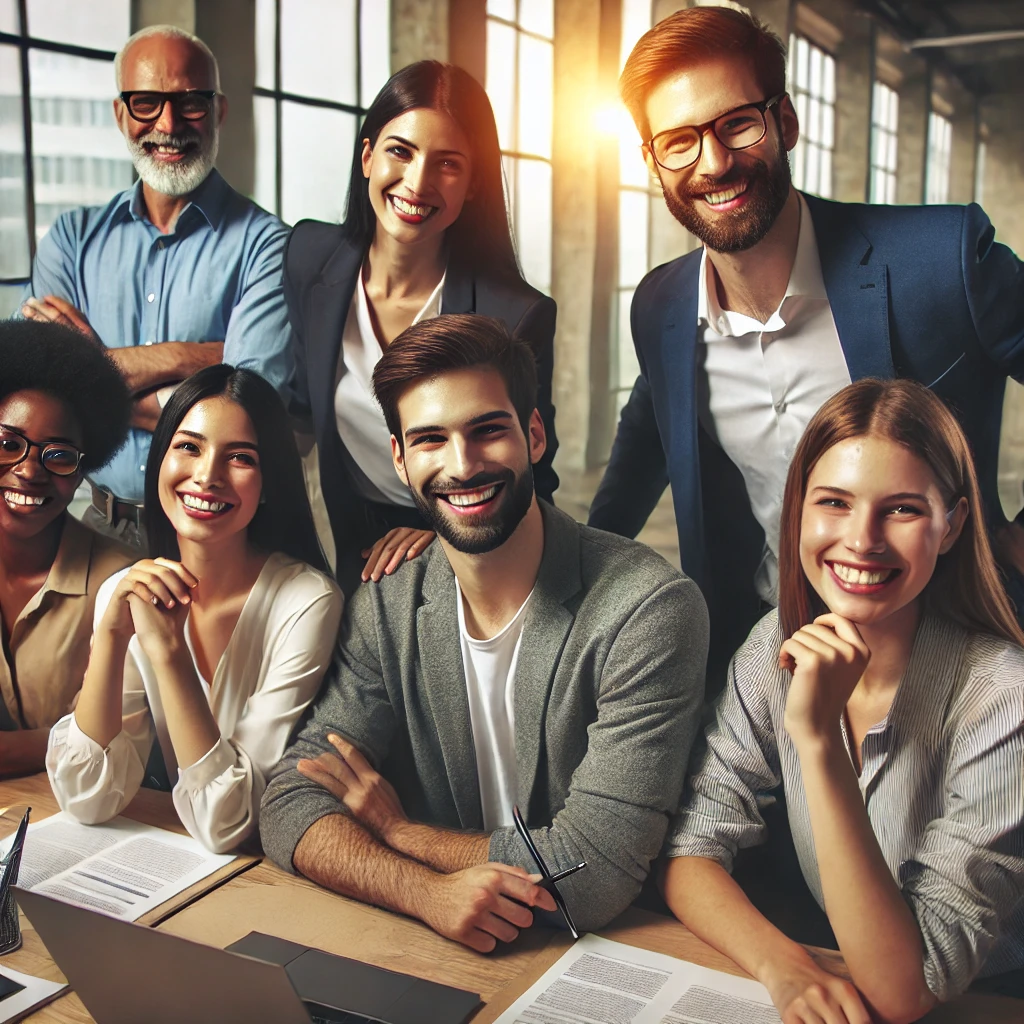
884,119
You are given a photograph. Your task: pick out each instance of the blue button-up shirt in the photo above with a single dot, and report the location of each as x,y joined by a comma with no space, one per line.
215,277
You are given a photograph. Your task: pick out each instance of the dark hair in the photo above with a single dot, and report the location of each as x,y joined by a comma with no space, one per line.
481,238
455,341
63,362
699,35
283,521
966,586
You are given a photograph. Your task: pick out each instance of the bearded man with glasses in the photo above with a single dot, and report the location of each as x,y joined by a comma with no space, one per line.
174,274
63,410
789,299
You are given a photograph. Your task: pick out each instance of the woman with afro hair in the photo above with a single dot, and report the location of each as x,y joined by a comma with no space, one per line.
64,410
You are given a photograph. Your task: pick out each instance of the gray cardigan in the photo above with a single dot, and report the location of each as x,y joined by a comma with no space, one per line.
608,691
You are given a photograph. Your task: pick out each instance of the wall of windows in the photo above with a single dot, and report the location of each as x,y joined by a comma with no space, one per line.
812,86
520,84
885,106
318,66
59,145
940,151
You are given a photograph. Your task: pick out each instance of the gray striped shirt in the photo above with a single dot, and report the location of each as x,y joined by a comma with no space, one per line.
942,781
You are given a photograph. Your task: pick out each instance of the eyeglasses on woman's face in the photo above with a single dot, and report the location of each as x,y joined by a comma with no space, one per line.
57,457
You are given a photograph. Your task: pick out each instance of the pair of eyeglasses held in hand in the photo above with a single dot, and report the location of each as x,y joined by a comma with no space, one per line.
548,880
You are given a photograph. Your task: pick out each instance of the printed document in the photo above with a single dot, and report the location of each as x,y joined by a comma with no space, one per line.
602,982
34,992
122,868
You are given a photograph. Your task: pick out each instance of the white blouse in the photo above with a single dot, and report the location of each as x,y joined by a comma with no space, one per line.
269,672
359,418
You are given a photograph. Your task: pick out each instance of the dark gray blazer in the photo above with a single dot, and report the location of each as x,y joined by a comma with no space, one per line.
608,691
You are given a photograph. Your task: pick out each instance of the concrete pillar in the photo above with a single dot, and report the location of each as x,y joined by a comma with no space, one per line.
419,31
855,76
181,13
574,214
915,105
467,36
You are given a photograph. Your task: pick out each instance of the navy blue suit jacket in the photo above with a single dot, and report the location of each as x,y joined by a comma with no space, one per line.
916,291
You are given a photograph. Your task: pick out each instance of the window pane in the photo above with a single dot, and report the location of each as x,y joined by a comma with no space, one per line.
825,174
318,49
828,90
632,169
632,237
501,64
9,17
636,20
536,90
10,299
533,221
502,9
803,78
266,26
265,122
508,173
14,260
628,367
104,26
538,16
374,48
74,136
316,150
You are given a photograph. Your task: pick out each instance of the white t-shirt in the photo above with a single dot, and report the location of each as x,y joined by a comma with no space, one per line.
490,667
761,383
359,418
269,672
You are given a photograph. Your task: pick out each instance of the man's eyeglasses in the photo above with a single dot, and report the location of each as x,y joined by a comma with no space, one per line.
548,880
58,458
740,128
146,107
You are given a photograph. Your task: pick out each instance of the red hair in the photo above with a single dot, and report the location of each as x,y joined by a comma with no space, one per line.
966,586
698,35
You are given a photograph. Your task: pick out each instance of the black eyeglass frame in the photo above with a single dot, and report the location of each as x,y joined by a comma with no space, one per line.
548,880
42,446
702,129
174,98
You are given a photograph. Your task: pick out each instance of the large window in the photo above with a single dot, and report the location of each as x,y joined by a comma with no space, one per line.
59,144
940,151
981,155
520,84
318,66
884,120
812,86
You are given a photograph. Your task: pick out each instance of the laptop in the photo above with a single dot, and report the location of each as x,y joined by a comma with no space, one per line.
126,973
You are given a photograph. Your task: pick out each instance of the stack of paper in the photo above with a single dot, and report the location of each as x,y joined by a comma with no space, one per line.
122,868
603,982
29,994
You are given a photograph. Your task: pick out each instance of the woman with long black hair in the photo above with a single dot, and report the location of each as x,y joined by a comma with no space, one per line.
205,656
426,232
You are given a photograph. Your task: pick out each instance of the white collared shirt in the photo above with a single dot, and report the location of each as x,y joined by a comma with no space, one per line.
359,418
762,383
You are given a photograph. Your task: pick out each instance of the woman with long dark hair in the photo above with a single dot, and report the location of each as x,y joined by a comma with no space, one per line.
886,695
205,655
426,232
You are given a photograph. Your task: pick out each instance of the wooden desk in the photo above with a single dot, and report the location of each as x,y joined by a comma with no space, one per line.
270,900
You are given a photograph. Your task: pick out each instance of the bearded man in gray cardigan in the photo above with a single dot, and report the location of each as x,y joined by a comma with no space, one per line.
523,659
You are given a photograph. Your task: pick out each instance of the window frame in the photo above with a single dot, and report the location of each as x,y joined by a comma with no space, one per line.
795,93
935,146
281,96
878,130
25,44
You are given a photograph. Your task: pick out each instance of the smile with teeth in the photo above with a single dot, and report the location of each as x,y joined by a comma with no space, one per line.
202,505
410,209
725,196
862,577
467,499
19,499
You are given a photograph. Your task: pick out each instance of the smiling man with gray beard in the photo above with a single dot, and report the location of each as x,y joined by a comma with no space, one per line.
174,274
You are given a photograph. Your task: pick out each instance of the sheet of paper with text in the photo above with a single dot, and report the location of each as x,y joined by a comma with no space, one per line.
602,982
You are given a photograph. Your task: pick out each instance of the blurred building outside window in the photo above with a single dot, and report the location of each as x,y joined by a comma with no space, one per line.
885,105
940,153
318,67
811,85
520,84
60,147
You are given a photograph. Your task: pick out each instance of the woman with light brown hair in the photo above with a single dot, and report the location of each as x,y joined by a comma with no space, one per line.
886,695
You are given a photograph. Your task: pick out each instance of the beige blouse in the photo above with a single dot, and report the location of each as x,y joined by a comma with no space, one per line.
43,664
